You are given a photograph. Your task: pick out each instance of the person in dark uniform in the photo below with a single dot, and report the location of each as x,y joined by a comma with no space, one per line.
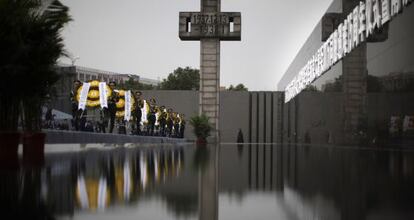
74,104
151,121
162,120
151,118
103,123
113,99
176,125
152,102
182,126
170,122
139,103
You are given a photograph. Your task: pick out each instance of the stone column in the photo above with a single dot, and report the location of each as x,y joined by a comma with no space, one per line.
355,89
354,69
210,73
210,82
210,5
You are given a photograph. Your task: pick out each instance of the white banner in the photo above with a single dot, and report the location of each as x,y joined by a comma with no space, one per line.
103,99
144,111
84,96
127,115
157,116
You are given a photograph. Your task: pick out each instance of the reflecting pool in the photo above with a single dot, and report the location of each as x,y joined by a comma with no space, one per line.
100,181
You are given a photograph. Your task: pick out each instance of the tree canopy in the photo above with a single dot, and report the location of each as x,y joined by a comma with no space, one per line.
239,87
182,79
189,79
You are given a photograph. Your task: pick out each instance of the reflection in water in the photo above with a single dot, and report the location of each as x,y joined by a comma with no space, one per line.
91,180
311,182
123,176
218,182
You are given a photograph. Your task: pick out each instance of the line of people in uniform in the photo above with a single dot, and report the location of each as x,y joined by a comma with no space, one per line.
159,120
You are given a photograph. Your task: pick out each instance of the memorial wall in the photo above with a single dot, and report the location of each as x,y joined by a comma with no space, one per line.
354,93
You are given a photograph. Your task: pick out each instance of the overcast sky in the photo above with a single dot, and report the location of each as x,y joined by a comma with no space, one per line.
141,37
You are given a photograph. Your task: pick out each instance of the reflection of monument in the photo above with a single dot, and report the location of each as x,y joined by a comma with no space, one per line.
208,186
210,26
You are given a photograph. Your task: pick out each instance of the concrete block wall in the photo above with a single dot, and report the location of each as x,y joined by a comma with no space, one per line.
258,119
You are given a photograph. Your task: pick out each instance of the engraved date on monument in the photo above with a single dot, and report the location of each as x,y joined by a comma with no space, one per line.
212,29
210,19
211,24
222,25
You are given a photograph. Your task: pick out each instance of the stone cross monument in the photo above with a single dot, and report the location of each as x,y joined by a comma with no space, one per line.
210,26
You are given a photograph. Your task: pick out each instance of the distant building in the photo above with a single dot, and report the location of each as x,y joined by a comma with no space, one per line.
147,81
85,74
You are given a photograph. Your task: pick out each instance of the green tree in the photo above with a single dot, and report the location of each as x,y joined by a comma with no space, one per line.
30,43
182,79
310,88
202,126
239,87
335,86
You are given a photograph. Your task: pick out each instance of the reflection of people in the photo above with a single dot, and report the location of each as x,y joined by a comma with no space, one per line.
395,126
408,123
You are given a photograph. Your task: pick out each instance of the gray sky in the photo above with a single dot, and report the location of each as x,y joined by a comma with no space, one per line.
141,37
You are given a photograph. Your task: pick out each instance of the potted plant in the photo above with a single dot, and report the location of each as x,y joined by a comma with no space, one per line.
9,135
201,128
46,47
14,22
32,45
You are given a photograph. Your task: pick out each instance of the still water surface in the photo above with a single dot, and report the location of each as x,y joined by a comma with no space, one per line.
217,182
